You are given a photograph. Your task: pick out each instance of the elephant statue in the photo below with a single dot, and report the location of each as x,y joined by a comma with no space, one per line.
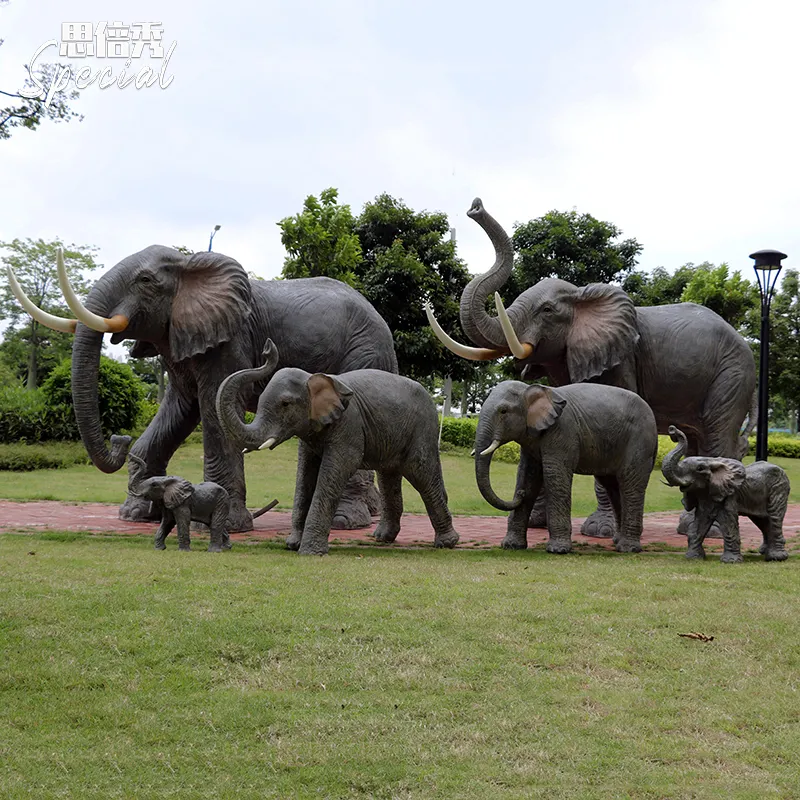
720,490
361,419
689,365
581,428
206,319
181,503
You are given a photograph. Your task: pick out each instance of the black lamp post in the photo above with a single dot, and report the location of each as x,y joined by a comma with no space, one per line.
213,233
767,267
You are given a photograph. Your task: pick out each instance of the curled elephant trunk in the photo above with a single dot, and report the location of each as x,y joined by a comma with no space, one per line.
670,466
483,461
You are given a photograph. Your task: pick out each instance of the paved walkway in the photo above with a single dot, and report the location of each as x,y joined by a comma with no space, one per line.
659,528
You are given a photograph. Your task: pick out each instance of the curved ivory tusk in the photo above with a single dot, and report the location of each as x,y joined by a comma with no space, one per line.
491,448
472,353
472,452
267,444
116,324
42,317
520,350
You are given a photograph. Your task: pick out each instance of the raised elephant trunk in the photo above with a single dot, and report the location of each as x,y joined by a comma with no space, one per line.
482,329
229,400
485,446
670,466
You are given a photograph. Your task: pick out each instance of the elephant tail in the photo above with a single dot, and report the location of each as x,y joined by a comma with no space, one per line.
264,510
748,426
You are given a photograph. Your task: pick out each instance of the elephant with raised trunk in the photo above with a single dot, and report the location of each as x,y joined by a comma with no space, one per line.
690,366
578,429
207,319
720,490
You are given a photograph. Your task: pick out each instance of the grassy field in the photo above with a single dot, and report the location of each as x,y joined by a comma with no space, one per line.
271,475
129,673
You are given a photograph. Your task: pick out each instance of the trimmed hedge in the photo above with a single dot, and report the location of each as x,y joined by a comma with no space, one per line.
54,455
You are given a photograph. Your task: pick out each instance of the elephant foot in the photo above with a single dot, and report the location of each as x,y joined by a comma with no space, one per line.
354,510
538,517
184,548
775,555
215,548
386,533
314,548
600,525
160,545
731,558
138,509
448,539
559,546
625,545
293,540
514,543
239,519
698,553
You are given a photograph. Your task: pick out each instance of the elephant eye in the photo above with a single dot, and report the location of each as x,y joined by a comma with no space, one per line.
546,309
503,410
286,403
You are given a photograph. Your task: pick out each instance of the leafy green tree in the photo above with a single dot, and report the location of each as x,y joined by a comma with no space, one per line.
784,361
321,240
658,287
731,296
578,248
52,347
34,264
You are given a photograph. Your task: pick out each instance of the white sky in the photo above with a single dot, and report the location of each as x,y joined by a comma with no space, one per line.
676,120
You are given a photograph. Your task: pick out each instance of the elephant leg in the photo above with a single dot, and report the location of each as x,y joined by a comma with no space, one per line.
176,418
602,523
307,472
728,518
630,494
774,547
529,478
391,486
220,539
538,515
426,477
183,518
164,530
558,484
356,504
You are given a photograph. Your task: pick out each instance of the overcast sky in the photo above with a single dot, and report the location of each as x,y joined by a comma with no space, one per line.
677,120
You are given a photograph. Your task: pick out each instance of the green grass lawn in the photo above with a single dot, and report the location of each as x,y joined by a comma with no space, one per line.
271,475
130,673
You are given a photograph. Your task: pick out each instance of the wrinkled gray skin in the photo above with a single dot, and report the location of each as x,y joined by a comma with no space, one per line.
208,320
690,366
182,503
582,428
362,419
720,490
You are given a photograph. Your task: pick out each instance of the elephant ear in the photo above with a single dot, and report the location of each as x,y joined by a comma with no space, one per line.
603,332
543,407
177,491
329,398
211,304
727,476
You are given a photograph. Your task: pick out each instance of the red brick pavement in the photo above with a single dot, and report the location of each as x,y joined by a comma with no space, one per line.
659,528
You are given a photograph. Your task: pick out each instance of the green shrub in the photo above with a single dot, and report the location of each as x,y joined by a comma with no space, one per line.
459,431
23,415
54,455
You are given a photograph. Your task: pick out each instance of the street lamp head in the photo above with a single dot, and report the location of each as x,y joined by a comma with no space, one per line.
217,227
768,259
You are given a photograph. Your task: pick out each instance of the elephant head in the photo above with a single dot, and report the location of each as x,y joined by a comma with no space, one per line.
586,330
513,411
294,403
172,304
168,490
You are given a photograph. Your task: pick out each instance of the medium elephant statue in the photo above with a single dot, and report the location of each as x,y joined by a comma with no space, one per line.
362,419
182,503
720,490
690,366
582,428
206,319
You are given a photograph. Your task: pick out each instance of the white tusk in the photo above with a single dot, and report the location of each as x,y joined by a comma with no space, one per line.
267,444
520,350
491,448
472,353
91,320
472,452
48,320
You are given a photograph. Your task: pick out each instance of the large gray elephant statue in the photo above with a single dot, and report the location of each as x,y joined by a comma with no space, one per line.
361,419
720,490
207,319
690,366
581,428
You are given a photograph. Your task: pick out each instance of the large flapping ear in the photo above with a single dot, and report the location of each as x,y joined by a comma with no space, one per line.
727,476
176,491
211,304
603,332
544,407
329,398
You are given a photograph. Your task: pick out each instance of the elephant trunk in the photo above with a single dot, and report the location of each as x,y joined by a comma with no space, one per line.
670,466
485,441
85,366
230,403
481,328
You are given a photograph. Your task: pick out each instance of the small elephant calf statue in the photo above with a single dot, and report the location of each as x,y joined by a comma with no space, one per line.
583,428
720,490
365,419
182,503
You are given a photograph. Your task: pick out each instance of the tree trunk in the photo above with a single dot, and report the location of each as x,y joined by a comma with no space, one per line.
465,398
447,391
33,365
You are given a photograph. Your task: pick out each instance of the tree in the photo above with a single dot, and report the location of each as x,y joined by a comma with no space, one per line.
578,248
321,240
731,296
657,288
784,361
34,263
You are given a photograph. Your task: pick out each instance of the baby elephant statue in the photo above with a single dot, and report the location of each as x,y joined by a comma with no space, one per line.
365,419
584,428
183,503
720,490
